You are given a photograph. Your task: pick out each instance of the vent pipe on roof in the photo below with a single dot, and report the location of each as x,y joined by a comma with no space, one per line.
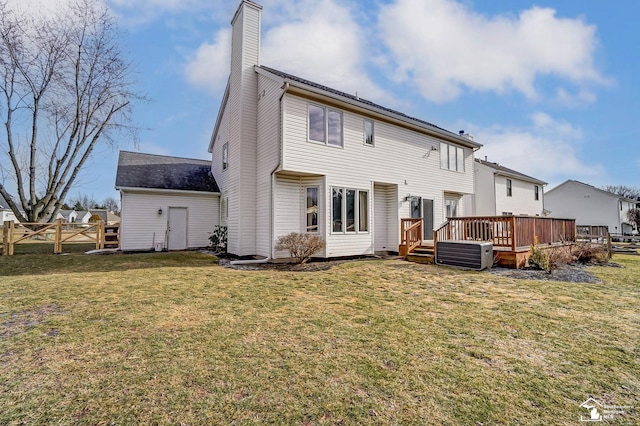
465,135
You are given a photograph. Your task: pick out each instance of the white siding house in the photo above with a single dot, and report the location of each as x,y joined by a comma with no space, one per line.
6,214
290,155
590,206
503,191
166,202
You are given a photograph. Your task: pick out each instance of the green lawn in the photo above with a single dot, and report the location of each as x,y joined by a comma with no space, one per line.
176,339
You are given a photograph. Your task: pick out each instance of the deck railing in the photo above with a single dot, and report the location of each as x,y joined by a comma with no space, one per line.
509,232
410,235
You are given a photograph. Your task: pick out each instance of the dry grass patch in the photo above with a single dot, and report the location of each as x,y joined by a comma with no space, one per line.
174,338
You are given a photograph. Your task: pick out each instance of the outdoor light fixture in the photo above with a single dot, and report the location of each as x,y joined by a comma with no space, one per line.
159,211
407,197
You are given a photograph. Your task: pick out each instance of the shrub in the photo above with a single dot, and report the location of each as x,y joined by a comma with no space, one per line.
95,218
218,239
300,246
538,259
589,253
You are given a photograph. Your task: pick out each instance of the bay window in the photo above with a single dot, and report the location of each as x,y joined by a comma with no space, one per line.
349,210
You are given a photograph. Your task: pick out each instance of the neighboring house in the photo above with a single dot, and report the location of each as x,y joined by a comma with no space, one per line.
6,214
109,218
73,216
67,216
590,206
291,155
166,202
503,191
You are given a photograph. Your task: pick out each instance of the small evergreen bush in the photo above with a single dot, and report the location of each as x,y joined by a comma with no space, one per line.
218,239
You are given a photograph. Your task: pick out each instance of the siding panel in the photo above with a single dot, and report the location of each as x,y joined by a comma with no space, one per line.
141,224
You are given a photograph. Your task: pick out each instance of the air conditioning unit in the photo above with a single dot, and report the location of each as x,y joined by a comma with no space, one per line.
467,254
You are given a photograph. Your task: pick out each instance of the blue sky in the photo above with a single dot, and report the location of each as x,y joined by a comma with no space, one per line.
549,87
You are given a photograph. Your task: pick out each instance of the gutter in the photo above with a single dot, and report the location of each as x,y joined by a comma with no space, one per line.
161,190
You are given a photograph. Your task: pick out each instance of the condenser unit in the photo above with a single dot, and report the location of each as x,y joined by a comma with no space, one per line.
467,254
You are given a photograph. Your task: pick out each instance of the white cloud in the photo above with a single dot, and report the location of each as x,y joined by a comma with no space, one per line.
208,68
321,42
318,40
548,149
580,98
445,48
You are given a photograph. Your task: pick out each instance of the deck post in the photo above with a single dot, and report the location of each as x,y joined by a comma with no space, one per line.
5,238
99,235
514,234
57,244
11,235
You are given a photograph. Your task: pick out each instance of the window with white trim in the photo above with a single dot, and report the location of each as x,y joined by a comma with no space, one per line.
509,188
451,207
225,156
536,192
368,132
312,209
325,125
349,210
451,157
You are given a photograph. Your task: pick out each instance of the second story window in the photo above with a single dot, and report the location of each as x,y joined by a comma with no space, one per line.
536,192
509,188
451,157
368,132
325,125
225,156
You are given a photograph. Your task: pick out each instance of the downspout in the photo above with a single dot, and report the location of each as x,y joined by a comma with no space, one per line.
275,169
273,177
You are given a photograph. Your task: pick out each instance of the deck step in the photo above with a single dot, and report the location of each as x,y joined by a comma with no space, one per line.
421,258
424,250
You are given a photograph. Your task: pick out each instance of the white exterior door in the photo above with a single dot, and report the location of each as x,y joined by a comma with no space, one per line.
177,238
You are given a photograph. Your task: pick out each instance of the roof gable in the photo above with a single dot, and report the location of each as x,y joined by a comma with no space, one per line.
366,105
137,170
501,170
571,182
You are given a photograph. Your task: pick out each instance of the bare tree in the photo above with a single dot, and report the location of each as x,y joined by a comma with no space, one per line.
112,204
623,191
65,86
84,202
633,216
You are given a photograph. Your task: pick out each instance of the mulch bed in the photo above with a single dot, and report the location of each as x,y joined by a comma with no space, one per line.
577,273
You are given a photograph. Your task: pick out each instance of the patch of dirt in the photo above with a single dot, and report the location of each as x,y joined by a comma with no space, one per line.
21,321
575,273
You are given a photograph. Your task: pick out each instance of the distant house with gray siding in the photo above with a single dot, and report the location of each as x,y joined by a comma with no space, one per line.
590,206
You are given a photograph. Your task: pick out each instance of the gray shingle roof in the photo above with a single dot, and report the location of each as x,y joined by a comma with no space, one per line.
352,97
510,172
137,170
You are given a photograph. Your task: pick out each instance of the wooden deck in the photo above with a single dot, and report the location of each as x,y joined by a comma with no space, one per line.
511,236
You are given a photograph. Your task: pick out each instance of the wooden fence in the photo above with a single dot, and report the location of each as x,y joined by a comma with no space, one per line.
55,233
